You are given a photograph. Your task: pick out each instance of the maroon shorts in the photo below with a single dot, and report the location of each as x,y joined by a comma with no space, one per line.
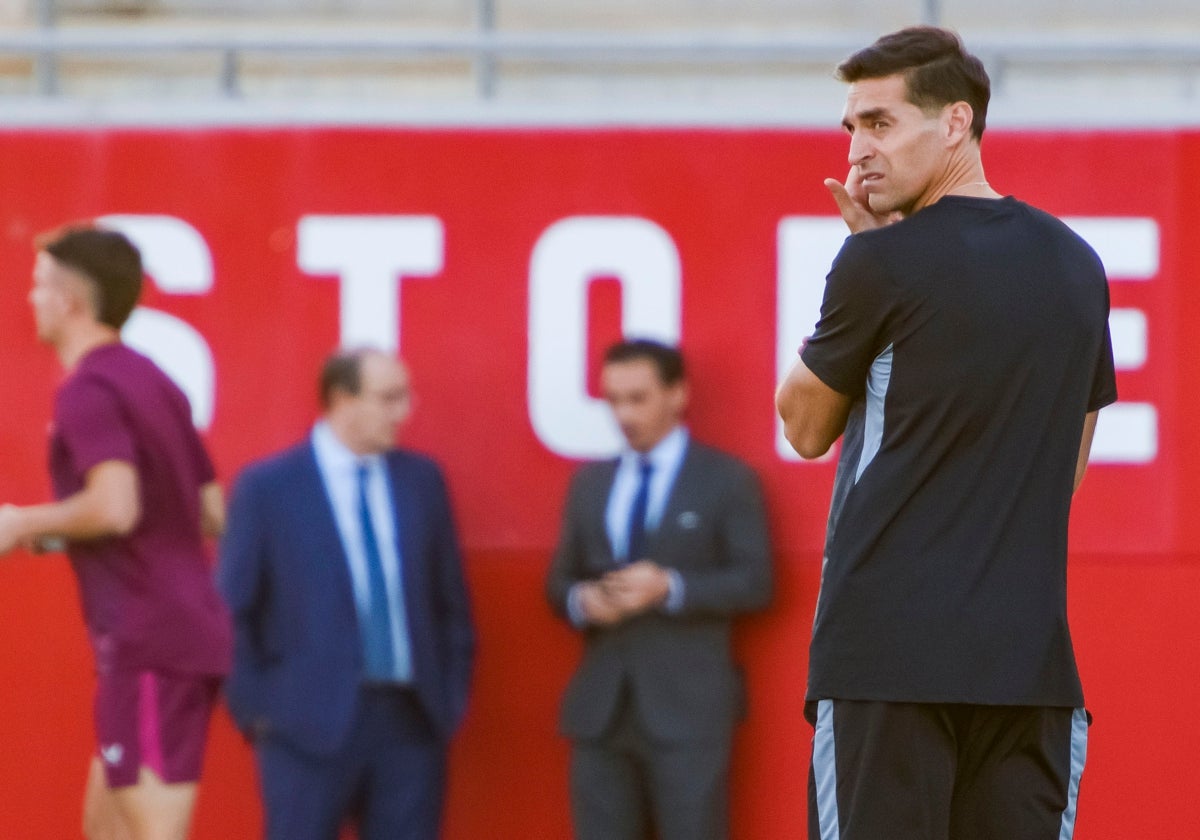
153,719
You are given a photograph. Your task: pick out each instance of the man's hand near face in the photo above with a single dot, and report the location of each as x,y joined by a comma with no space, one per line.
854,206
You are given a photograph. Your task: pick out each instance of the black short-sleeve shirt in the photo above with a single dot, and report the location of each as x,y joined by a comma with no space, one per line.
973,337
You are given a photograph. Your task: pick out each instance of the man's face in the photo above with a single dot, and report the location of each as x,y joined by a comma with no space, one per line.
897,150
644,408
373,417
55,294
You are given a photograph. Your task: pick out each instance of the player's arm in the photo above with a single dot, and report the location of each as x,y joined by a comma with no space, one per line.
814,415
212,509
1085,446
108,505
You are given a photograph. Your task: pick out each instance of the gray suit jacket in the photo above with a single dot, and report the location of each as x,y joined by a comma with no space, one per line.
677,670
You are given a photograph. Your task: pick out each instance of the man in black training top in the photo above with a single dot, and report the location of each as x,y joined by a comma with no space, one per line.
962,354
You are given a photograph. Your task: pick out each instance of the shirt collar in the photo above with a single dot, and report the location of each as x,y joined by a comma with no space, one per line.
666,452
335,454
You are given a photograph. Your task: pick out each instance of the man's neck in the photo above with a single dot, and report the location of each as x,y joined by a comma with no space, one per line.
347,440
643,453
83,340
963,176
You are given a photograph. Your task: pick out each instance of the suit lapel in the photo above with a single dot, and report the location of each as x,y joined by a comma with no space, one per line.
598,503
322,525
408,524
680,498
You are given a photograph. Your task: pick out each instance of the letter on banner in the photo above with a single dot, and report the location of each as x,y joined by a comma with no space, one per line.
1126,433
567,257
806,246
370,254
176,257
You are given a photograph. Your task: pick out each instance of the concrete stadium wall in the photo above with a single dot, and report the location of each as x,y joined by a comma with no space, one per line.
1085,62
1118,16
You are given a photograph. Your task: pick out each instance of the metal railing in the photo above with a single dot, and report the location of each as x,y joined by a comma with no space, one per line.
488,49
485,50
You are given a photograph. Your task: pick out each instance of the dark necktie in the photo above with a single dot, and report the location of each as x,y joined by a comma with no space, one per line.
378,655
636,543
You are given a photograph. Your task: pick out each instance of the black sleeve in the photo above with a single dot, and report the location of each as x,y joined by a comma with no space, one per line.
854,311
1104,379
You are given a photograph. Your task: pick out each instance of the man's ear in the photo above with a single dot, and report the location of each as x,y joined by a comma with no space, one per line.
680,396
82,295
956,122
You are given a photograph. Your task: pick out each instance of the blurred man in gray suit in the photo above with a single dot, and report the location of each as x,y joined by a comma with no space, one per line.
659,549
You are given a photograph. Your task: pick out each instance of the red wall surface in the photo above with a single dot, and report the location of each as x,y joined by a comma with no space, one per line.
465,240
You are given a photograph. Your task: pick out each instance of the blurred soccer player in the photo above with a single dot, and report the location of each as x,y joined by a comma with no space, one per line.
135,495
963,350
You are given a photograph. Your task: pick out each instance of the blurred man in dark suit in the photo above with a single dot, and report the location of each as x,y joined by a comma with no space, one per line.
659,550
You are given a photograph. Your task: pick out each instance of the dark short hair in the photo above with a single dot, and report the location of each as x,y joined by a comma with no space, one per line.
667,360
936,66
107,260
342,371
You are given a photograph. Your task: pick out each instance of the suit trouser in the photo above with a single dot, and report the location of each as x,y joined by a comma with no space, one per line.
626,786
388,777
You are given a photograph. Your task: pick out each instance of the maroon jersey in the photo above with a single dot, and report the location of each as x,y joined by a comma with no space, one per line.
148,597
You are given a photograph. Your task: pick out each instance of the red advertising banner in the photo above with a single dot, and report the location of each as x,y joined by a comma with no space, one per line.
499,263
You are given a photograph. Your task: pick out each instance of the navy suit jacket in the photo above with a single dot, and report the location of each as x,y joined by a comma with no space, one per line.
298,661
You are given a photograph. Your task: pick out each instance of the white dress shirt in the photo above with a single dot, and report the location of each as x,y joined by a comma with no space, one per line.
666,458
338,467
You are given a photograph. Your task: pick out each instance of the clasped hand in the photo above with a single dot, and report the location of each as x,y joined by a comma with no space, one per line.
629,591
